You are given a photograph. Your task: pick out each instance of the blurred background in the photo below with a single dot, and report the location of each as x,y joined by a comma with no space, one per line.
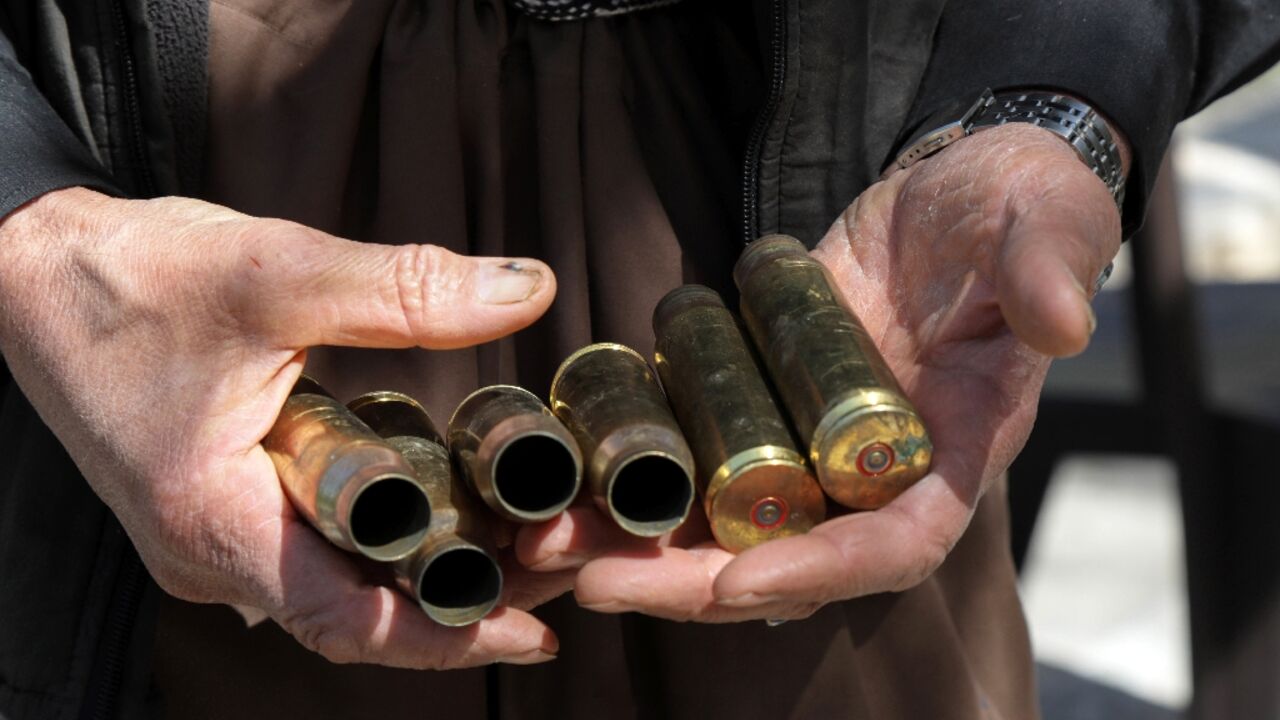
1183,372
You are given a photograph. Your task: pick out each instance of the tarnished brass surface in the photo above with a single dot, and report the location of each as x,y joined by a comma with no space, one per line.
639,467
344,479
453,574
866,441
515,454
755,486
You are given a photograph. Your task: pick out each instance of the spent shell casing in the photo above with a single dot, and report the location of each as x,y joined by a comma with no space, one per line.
515,454
755,485
346,481
865,440
639,467
453,574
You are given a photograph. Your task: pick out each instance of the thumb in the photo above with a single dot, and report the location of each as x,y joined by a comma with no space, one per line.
322,290
1054,249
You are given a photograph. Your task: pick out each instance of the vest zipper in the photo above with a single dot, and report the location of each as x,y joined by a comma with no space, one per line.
102,698
106,677
755,142
132,105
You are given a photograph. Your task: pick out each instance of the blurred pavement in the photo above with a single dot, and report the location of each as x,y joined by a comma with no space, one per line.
1103,585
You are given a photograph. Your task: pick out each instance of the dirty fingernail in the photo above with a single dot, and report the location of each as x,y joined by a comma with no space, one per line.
508,281
560,561
531,657
748,600
611,606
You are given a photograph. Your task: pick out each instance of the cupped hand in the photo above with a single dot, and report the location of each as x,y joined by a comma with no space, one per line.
971,270
158,339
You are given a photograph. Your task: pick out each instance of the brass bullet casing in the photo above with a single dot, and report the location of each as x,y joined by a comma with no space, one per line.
639,467
866,441
515,454
353,487
453,574
755,485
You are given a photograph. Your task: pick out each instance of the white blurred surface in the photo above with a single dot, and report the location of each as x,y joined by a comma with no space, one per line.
1103,585
1104,582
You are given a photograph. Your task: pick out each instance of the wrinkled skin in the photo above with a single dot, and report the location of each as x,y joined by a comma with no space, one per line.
163,336
158,340
969,270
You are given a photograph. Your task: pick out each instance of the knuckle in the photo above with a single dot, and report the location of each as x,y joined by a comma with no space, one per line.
283,233
322,631
925,547
805,611
266,261
441,659
926,558
428,283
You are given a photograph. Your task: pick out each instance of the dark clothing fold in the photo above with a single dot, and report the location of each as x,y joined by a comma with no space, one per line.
630,152
1147,64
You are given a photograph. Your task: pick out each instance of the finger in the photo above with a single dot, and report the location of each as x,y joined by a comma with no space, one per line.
574,537
329,609
526,589
675,584
315,289
1059,239
890,549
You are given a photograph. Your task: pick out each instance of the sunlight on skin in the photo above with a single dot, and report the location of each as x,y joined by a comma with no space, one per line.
968,269
160,351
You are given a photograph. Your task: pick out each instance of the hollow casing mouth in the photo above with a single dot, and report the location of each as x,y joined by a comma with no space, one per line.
455,582
531,466
389,517
368,500
649,492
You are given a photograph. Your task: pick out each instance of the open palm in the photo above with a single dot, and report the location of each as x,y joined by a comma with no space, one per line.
969,270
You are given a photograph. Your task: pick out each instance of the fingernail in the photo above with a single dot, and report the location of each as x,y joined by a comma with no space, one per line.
531,657
611,606
506,282
1093,319
748,600
560,561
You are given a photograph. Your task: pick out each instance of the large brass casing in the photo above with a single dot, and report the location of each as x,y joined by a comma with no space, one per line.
639,467
453,574
515,454
866,441
755,486
353,487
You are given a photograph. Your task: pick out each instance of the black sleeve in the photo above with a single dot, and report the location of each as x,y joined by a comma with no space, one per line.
1146,64
38,152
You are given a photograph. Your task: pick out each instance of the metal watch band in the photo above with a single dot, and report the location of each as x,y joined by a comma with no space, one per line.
1074,121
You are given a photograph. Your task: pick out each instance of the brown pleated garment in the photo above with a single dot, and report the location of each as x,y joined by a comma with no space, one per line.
610,149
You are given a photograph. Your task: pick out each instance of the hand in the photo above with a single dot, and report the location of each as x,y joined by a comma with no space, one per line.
971,269
158,340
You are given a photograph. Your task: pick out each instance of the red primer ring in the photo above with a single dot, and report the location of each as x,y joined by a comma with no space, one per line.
867,451
784,511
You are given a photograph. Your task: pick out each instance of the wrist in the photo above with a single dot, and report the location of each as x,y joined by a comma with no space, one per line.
1091,136
53,212
36,237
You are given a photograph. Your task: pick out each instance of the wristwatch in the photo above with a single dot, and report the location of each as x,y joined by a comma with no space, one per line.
1074,121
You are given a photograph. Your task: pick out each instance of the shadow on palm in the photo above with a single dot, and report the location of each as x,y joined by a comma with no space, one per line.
958,268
